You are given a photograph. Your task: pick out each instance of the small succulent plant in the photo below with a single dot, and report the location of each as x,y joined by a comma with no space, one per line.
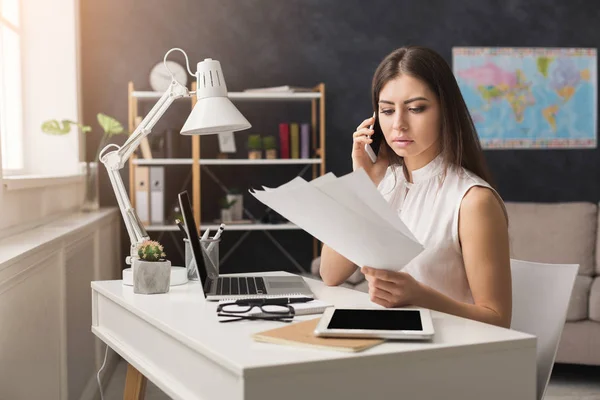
150,250
254,142
269,143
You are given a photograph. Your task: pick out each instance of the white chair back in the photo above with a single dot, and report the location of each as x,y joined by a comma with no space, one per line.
541,295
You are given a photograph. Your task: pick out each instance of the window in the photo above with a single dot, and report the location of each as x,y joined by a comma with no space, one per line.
30,42
11,104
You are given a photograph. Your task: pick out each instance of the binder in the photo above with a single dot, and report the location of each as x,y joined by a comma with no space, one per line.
142,194
301,334
294,141
157,195
304,140
284,140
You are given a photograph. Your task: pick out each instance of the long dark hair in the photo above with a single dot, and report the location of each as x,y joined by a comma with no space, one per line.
459,141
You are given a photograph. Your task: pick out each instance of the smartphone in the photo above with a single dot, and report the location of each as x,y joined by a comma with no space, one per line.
372,149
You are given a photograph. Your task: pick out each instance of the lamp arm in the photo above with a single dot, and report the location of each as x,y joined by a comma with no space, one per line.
175,91
115,160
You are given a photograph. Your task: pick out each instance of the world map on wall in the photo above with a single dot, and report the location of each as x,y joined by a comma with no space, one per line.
529,97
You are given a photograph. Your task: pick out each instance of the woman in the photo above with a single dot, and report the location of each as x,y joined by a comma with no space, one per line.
431,169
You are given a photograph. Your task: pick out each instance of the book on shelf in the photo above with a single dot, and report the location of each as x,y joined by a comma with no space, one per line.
294,140
279,89
142,194
304,140
157,195
284,140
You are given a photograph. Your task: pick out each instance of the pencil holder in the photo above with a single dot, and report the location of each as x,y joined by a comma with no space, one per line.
210,255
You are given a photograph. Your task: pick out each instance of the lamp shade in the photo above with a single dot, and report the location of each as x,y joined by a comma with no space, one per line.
214,115
213,112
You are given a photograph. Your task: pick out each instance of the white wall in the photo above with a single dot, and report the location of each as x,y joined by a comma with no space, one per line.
50,87
27,208
51,90
46,345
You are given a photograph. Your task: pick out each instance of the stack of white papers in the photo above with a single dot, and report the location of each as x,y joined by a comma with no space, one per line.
349,215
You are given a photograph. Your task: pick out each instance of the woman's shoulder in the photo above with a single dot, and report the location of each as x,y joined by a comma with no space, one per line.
466,178
478,196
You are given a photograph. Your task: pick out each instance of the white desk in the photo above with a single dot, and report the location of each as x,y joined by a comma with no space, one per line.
176,341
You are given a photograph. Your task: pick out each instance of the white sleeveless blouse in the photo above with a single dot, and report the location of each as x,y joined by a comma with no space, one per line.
429,207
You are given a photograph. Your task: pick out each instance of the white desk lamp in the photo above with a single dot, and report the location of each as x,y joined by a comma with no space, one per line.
213,113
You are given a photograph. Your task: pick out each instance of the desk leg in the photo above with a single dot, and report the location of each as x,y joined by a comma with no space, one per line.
135,384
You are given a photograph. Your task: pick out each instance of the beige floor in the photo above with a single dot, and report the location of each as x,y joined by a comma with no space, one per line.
568,382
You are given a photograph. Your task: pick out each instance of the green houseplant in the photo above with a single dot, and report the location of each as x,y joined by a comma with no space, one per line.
111,127
151,271
254,147
270,147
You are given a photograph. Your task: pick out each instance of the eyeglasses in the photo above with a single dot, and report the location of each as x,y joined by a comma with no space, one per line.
268,310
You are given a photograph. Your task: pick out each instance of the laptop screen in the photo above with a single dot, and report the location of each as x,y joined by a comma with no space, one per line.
192,232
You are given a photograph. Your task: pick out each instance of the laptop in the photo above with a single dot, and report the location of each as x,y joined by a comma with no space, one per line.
240,286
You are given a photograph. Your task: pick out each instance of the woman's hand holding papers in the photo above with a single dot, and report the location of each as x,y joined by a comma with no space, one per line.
392,288
360,159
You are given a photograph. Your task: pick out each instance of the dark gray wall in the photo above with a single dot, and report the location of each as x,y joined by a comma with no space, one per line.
340,43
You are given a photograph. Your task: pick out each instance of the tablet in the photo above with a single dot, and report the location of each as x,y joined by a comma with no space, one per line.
395,323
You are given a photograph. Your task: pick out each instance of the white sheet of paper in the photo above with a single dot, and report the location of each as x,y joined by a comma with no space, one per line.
328,177
344,194
359,235
360,183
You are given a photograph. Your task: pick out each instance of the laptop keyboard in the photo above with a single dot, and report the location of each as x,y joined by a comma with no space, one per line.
241,285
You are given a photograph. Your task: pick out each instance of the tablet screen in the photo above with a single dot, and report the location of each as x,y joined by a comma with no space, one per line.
382,320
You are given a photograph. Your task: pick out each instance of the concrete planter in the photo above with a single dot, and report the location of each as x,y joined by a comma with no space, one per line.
151,277
226,215
254,154
237,209
271,154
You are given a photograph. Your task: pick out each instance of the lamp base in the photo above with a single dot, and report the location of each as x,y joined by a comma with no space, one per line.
178,276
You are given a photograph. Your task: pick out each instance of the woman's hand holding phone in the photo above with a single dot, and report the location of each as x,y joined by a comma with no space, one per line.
360,158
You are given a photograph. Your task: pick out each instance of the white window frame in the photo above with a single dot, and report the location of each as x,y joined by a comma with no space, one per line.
48,160
18,136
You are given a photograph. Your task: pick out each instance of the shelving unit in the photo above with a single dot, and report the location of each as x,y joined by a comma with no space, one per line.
317,161
238,227
300,96
218,161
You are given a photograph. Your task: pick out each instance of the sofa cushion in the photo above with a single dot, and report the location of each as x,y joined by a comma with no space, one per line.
580,343
558,233
595,300
578,306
